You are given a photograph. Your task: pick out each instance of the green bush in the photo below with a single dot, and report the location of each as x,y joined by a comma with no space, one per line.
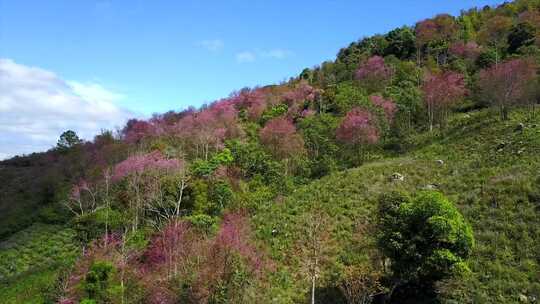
92,225
98,280
426,237
205,168
273,112
252,160
54,214
203,222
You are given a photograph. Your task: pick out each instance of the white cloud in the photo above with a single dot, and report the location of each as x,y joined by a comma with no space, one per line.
212,45
251,56
276,53
36,106
245,56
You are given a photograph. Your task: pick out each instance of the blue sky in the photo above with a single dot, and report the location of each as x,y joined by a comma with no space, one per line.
154,56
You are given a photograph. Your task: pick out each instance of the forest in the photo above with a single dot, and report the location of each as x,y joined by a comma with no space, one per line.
407,170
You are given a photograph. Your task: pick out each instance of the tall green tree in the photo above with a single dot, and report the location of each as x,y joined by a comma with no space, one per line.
401,43
425,237
67,140
521,34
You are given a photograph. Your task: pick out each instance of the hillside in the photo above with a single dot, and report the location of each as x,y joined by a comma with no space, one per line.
405,171
496,189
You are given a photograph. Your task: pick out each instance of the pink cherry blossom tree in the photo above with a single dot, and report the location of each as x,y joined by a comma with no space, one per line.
431,32
298,97
136,130
374,73
387,105
138,164
234,235
508,84
359,130
253,101
170,248
441,91
231,245
82,198
144,189
207,129
468,50
280,137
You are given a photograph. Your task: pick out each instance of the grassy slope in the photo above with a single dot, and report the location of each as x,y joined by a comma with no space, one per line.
26,186
497,189
31,260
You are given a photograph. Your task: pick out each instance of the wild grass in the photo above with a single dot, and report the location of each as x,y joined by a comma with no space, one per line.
32,259
489,169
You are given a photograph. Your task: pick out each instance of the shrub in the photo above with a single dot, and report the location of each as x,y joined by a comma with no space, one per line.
426,237
92,225
98,280
202,222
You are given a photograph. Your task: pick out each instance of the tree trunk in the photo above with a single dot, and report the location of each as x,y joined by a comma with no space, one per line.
504,113
182,187
123,265
431,114
106,226
313,290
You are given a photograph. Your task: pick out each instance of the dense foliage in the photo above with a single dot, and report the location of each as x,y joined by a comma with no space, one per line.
426,238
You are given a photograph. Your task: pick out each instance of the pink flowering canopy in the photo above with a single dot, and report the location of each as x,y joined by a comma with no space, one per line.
210,127
387,105
253,101
507,84
169,242
138,164
297,98
441,90
358,127
135,130
373,67
443,26
425,31
280,136
234,235
302,92
469,50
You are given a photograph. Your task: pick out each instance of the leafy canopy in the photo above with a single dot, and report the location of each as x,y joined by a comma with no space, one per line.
426,237
67,140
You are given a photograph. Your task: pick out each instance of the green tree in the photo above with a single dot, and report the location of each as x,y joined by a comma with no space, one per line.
425,237
347,97
521,34
205,168
401,43
318,132
67,140
253,161
468,32
98,280
494,33
273,112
